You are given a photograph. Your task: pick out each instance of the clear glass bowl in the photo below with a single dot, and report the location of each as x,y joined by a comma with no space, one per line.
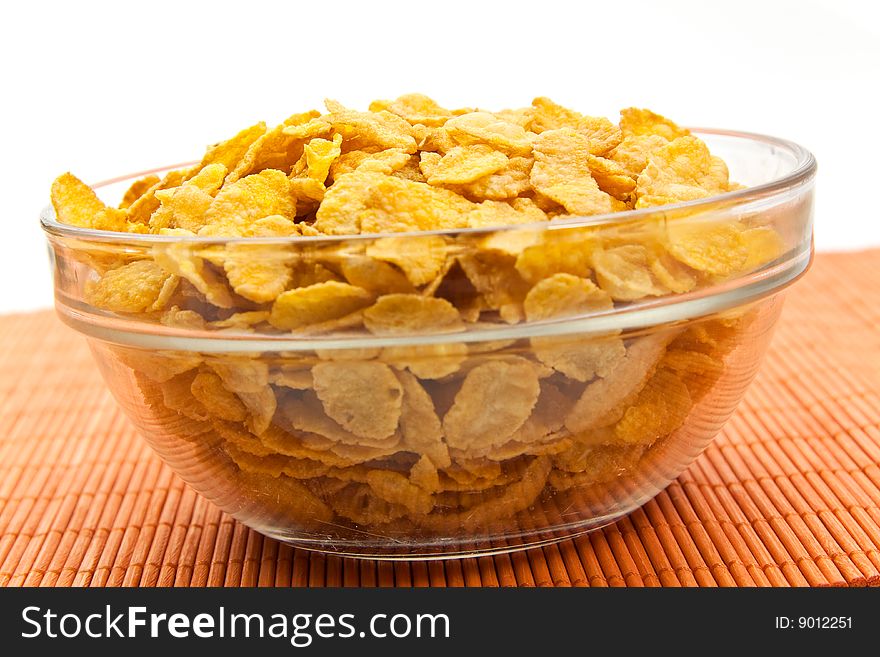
424,435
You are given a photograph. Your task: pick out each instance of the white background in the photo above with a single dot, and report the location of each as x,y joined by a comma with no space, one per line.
103,89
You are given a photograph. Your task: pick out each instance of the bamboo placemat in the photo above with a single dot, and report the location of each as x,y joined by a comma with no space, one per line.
788,494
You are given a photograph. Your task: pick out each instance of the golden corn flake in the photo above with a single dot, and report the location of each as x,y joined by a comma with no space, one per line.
241,374
363,397
547,115
715,248
420,258
241,203
302,127
683,170
137,189
242,320
562,295
486,128
345,202
506,183
602,134
431,361
186,319
518,496
350,321
209,179
548,417
658,410
351,160
398,205
292,376
273,226
670,273
558,252
521,116
76,204
307,194
624,272
387,162
361,353
177,395
259,272
398,489
428,162
763,245
179,259
578,358
159,366
604,400
424,475
612,178
181,207
465,164
229,152
500,213
208,388
359,504
306,413
374,275
692,364
317,303
492,274
410,171
135,287
634,121
633,152
554,444
371,130
320,155
274,465
420,427
261,406
415,108
276,149
306,272
436,140
562,173
407,313
510,242
495,400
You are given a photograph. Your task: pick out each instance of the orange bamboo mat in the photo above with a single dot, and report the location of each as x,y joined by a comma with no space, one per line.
787,495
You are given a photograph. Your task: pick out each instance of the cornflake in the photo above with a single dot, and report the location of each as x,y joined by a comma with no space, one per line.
420,258
363,397
76,204
465,164
682,170
562,173
317,303
136,287
495,399
243,202
485,128
412,313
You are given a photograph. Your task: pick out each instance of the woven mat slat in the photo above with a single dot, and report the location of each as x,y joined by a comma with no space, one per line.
787,495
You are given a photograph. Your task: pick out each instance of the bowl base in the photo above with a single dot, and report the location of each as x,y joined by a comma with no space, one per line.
440,551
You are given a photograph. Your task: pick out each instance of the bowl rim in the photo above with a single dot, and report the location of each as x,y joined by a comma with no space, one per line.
803,172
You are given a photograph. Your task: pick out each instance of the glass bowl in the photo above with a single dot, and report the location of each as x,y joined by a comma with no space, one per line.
364,417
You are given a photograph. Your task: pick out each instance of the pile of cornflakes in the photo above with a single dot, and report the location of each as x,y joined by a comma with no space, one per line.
426,436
